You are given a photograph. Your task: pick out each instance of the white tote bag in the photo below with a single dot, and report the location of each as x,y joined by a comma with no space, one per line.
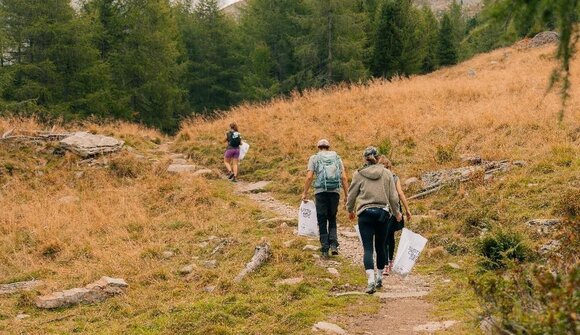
307,222
410,246
244,147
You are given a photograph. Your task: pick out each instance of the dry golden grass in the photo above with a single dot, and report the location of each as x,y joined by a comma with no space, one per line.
500,113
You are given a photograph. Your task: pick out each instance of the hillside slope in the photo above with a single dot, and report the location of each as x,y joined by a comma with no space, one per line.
496,106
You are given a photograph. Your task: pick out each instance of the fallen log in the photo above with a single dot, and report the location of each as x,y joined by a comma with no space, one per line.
261,255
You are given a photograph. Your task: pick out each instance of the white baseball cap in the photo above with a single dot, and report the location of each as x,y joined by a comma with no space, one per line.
323,143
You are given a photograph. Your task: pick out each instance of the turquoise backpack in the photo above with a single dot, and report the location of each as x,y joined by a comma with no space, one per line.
328,172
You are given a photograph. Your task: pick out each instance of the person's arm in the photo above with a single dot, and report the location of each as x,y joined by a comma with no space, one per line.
353,192
307,183
344,182
403,200
393,196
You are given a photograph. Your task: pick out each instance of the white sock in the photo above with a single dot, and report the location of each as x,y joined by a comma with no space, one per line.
380,274
370,276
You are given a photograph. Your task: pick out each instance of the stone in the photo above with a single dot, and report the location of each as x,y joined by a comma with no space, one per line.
288,244
471,73
22,316
520,163
254,187
437,214
409,182
180,168
79,174
204,173
86,144
543,226
210,264
543,38
290,281
69,199
179,161
471,160
209,288
486,326
19,286
432,327
262,253
95,292
310,247
177,156
329,328
454,266
167,254
187,269
550,247
333,272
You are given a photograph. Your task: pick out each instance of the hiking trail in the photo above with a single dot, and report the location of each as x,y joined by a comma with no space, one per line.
403,308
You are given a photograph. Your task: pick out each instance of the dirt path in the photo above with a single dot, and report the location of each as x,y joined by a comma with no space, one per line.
403,308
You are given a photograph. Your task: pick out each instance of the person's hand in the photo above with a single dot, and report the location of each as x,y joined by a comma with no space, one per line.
409,215
304,197
399,217
351,216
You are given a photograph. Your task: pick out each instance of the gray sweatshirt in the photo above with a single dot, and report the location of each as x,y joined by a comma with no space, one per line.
373,186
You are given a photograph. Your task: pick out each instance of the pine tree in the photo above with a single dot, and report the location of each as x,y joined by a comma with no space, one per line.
332,49
269,29
430,35
397,44
213,76
447,48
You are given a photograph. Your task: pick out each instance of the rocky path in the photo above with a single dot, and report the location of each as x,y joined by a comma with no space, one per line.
403,309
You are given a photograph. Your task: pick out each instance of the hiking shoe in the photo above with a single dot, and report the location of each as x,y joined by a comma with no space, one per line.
234,179
371,288
325,255
230,175
333,250
379,283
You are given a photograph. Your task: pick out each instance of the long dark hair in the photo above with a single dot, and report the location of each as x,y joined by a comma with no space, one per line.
234,126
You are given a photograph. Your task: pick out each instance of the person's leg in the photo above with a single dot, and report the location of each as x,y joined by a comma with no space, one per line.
334,200
380,240
391,242
367,232
322,217
235,167
227,162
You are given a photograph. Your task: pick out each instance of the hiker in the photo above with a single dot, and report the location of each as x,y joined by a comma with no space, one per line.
232,154
326,166
374,193
394,226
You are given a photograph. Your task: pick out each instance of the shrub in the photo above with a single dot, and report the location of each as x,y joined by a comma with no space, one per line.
501,248
531,301
126,166
444,154
385,147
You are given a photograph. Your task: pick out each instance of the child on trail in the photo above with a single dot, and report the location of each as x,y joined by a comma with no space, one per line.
331,176
393,225
374,193
232,154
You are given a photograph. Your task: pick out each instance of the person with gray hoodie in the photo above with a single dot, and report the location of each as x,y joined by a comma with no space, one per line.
374,194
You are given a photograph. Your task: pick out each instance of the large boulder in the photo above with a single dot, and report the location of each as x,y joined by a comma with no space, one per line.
544,38
86,144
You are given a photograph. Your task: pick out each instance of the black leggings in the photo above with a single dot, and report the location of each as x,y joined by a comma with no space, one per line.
372,230
391,238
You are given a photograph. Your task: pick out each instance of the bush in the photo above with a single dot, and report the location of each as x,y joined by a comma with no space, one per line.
385,147
568,203
500,249
126,166
444,154
531,301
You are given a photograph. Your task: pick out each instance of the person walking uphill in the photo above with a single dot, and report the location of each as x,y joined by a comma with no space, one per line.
331,177
232,154
374,194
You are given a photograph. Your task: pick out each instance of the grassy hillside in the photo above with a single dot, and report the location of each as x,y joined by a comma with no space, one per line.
125,212
495,105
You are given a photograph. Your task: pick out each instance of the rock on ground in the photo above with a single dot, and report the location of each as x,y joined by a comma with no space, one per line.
309,247
19,286
100,290
187,269
290,281
544,38
204,173
543,226
85,144
550,247
333,272
181,168
329,328
434,326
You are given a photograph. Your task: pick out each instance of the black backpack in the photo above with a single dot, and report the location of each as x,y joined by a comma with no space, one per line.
235,139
